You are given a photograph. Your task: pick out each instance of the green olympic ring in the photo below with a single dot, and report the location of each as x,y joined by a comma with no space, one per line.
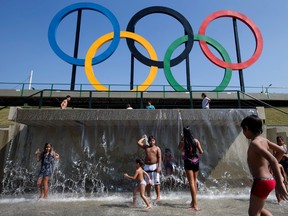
197,37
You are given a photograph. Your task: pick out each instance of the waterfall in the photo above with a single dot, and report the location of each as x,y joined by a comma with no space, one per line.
97,146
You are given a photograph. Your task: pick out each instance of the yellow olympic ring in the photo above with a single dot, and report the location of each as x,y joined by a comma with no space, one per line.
107,37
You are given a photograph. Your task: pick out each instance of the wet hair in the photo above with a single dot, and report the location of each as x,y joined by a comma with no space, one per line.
44,152
203,95
139,161
168,150
253,123
279,138
46,146
189,141
150,138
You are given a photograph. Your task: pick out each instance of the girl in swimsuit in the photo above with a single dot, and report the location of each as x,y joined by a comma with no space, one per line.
189,147
284,159
47,158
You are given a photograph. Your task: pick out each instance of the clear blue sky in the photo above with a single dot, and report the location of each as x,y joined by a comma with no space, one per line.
24,41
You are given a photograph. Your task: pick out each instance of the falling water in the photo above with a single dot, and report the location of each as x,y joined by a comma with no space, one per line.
97,147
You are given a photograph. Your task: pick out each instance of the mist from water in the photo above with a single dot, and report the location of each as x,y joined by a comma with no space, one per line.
93,157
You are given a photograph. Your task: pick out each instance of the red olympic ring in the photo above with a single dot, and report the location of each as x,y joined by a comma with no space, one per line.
247,21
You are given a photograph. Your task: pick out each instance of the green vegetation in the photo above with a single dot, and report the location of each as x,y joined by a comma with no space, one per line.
4,118
273,117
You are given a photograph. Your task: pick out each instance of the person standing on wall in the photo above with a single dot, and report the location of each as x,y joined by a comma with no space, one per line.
189,147
149,105
65,102
128,106
152,163
205,101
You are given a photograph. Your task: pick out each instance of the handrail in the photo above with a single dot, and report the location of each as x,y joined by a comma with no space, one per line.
266,104
87,86
41,93
28,97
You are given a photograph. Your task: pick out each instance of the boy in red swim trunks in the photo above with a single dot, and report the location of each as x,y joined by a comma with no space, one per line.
259,160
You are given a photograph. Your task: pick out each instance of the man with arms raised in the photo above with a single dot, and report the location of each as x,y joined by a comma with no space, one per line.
152,163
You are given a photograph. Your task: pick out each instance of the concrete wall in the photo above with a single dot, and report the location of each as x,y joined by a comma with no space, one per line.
4,134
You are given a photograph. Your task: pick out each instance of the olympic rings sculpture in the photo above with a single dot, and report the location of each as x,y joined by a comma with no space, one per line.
153,62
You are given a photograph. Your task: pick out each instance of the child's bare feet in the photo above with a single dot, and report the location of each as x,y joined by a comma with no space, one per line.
41,197
195,208
131,204
149,207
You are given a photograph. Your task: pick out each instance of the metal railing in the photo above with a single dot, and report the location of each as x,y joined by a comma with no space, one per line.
261,102
21,87
240,97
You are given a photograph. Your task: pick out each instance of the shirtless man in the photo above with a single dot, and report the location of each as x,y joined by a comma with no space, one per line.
64,103
259,160
152,164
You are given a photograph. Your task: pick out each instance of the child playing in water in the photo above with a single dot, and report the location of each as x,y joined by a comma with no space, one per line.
284,159
168,161
47,158
139,176
259,160
191,149
284,179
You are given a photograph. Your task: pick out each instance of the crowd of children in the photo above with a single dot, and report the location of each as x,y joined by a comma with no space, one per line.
267,162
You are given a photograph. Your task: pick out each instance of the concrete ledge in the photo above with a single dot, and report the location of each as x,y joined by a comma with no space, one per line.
92,117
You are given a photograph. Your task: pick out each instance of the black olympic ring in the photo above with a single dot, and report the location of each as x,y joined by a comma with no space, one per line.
158,9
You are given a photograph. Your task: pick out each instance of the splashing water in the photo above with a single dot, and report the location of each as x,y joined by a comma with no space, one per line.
93,158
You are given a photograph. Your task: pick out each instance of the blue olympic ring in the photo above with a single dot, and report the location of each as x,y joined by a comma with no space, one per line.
85,6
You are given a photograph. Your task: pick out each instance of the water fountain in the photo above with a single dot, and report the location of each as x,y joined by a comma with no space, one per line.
97,146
